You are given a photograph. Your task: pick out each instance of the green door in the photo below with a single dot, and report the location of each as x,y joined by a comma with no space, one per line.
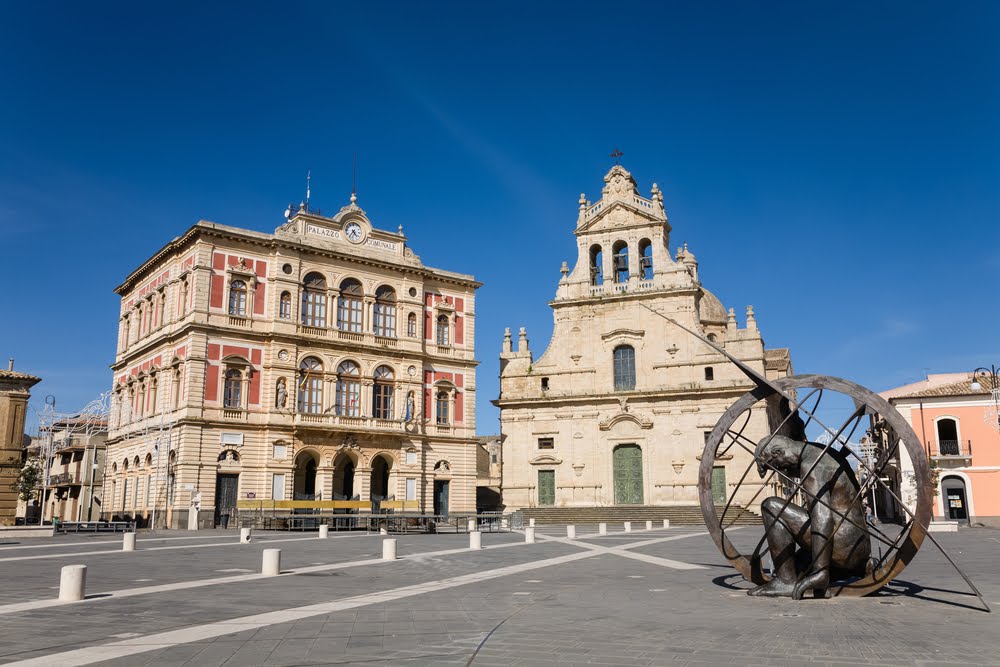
628,475
546,487
719,485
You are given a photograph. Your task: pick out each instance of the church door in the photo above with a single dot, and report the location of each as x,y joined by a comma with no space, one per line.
628,475
546,487
719,485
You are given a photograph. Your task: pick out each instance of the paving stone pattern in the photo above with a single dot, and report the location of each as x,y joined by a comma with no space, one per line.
600,609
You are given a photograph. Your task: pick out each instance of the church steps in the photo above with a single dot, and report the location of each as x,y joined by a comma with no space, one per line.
683,515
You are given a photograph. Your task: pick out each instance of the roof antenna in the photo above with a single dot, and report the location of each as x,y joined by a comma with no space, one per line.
308,179
354,182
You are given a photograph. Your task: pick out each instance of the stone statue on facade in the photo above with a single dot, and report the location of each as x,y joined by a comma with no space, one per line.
281,394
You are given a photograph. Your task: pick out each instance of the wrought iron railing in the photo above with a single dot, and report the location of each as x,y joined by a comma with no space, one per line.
952,448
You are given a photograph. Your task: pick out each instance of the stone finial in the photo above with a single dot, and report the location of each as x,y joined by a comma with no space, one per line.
679,255
731,324
507,346
399,230
522,340
751,320
564,269
583,201
354,198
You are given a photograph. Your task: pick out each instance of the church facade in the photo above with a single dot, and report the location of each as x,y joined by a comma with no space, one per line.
617,409
323,363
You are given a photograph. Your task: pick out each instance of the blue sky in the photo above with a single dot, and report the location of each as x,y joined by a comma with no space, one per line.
833,164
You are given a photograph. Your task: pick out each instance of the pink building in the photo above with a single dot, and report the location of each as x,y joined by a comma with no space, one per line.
956,419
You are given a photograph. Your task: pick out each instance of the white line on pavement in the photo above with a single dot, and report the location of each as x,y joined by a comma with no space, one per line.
164,640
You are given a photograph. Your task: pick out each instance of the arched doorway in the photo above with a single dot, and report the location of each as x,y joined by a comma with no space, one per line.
627,464
305,476
956,501
343,477
380,478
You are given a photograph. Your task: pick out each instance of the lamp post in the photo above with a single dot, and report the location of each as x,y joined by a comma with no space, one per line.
981,376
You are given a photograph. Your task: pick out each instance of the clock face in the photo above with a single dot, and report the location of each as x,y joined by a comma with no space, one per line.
353,232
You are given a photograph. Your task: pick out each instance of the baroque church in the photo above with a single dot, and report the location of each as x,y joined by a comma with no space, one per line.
618,408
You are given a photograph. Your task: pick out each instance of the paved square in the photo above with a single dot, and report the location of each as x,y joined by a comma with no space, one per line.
646,598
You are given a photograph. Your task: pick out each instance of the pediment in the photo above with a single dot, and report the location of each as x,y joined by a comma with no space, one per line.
642,421
623,333
545,460
609,216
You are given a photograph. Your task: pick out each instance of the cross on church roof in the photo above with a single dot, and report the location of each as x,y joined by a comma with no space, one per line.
617,155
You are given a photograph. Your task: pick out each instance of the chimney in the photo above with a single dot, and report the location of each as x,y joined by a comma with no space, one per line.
10,364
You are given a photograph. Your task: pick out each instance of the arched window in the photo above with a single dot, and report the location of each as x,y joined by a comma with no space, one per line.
645,259
311,386
140,400
624,363
411,325
441,402
620,261
161,307
442,330
153,394
947,433
314,300
175,385
382,395
285,306
348,389
349,306
385,312
125,332
596,265
238,298
232,389
183,300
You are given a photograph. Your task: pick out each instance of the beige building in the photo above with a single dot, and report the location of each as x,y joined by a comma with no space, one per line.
15,390
323,362
77,447
617,409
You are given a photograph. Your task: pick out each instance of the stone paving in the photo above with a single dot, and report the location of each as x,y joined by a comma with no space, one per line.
198,599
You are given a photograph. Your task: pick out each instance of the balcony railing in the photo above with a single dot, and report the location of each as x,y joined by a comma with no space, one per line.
349,422
952,448
63,478
239,321
232,413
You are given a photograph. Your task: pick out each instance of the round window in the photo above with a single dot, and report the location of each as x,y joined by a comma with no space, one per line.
413,291
287,268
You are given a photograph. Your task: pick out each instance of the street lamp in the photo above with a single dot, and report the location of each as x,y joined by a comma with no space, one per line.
981,376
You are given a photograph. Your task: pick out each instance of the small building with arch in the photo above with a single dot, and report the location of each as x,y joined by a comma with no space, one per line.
618,408
322,362
957,422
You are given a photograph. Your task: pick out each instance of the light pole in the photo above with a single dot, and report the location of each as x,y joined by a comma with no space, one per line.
981,376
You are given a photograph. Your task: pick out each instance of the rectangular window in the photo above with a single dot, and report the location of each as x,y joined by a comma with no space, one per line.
124,494
149,490
280,452
411,458
411,489
313,308
546,443
624,368
707,435
277,487
709,373
349,314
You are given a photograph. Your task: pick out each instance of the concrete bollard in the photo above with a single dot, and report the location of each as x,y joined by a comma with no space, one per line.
531,522
602,529
389,549
73,582
475,540
571,532
628,526
271,565
529,535
324,531
649,525
128,542
244,536
666,523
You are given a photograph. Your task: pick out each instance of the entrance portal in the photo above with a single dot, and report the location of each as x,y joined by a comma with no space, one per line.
343,478
546,487
955,502
226,487
380,479
441,497
305,477
628,475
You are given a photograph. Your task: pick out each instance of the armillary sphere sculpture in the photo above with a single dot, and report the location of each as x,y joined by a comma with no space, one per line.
813,494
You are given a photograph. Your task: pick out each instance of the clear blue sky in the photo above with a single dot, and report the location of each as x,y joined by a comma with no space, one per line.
836,165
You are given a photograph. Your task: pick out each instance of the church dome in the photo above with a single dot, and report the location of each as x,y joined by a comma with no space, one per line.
710,309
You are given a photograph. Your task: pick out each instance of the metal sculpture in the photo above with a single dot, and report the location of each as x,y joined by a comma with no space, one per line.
817,535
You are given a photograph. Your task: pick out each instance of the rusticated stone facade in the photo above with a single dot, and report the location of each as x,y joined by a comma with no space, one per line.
617,408
15,390
321,362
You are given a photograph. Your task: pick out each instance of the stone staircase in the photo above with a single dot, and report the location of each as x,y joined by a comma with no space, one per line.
679,515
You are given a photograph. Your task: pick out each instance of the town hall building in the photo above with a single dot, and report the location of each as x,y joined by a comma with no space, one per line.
323,365
618,408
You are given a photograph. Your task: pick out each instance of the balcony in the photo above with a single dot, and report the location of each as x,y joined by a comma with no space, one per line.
63,479
233,413
239,321
349,423
951,453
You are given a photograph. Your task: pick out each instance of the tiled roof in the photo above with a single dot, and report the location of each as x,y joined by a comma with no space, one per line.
16,375
960,388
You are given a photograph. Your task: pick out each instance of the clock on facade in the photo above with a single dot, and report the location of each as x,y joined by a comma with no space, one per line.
353,232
